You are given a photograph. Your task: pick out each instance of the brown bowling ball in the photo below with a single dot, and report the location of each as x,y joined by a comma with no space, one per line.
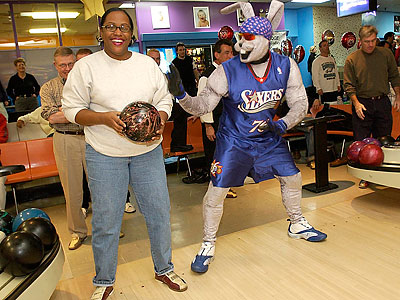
142,121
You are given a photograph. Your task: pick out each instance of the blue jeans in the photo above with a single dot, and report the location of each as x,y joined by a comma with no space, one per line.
108,182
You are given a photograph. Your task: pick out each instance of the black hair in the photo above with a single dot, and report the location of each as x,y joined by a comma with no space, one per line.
219,43
112,9
383,43
179,44
323,41
388,35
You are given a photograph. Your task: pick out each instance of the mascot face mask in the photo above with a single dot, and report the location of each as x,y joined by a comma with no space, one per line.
255,34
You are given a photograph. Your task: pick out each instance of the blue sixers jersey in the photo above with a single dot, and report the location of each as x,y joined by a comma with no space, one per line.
242,148
253,100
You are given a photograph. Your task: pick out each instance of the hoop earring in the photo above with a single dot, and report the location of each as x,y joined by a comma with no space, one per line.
99,39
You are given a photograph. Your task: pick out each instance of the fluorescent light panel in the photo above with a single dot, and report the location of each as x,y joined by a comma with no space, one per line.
310,1
50,15
46,30
127,5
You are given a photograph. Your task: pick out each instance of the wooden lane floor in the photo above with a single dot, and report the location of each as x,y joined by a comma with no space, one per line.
255,258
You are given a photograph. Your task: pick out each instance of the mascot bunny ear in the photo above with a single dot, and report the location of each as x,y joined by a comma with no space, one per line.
275,13
246,8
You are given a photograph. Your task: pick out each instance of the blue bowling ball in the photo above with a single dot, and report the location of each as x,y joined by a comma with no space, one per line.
28,214
6,221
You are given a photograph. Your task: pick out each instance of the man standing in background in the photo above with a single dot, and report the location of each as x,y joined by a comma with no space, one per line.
367,73
325,75
190,78
155,54
223,51
82,53
69,146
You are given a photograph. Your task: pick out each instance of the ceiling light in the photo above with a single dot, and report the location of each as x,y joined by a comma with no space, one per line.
28,43
46,30
127,5
50,15
310,1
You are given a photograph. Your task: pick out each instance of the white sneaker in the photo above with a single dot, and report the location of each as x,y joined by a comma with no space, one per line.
303,230
84,211
203,258
76,242
129,208
102,292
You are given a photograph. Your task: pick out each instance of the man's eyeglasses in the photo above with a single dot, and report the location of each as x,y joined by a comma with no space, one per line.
112,28
64,66
247,36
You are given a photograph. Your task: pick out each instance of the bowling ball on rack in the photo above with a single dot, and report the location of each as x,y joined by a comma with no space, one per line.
43,229
28,214
370,140
23,251
142,121
397,141
6,221
371,155
354,151
386,140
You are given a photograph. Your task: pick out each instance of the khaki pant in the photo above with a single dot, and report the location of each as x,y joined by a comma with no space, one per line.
69,152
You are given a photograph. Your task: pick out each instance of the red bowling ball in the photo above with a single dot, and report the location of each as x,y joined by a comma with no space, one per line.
354,151
371,154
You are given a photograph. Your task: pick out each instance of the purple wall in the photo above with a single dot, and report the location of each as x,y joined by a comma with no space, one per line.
181,16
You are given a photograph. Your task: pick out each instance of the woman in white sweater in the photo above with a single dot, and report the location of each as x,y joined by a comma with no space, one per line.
98,88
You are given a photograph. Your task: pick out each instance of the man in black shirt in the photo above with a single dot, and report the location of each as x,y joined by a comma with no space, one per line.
23,88
187,70
190,77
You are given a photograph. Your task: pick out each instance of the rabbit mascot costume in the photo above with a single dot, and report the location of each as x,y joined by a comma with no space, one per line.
251,86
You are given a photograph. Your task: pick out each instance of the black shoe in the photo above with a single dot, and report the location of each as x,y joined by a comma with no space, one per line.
202,178
183,148
189,179
296,154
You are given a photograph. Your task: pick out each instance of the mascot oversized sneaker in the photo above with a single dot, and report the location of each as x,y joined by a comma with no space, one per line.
303,230
203,258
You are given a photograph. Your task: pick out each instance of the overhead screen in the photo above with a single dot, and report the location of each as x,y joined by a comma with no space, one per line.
352,7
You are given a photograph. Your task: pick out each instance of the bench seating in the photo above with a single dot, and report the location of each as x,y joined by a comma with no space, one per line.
16,153
41,158
37,157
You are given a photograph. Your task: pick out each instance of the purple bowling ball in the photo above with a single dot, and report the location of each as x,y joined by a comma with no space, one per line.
370,140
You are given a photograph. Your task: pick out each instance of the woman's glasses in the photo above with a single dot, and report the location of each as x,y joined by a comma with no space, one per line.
112,28
247,36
